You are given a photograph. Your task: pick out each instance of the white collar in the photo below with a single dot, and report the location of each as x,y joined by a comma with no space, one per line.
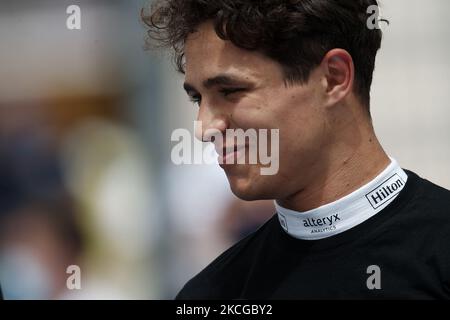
347,212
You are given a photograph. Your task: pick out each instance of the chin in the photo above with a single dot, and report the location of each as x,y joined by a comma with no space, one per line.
246,196
247,190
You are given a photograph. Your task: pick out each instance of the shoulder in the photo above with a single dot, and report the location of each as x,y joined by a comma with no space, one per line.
430,211
222,278
435,200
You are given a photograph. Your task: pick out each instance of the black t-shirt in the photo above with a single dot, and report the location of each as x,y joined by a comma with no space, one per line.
403,252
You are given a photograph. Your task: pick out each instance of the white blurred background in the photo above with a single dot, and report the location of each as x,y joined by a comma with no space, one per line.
86,118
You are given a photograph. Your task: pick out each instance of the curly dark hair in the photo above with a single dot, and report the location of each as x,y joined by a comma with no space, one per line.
295,33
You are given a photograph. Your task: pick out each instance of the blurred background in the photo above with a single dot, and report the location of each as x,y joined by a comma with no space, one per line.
86,118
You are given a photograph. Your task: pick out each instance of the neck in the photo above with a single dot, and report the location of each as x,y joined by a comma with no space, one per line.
347,212
356,158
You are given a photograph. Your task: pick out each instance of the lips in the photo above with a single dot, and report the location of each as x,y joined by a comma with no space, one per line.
229,155
225,150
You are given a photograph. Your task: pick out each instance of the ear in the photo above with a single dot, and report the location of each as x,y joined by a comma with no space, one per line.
339,72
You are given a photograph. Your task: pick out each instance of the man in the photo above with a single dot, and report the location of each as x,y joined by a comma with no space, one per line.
350,222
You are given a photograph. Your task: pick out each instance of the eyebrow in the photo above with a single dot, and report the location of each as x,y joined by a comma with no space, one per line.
221,79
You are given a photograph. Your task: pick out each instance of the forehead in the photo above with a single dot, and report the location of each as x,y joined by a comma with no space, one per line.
207,55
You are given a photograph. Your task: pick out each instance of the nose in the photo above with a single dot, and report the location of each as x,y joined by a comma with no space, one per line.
209,124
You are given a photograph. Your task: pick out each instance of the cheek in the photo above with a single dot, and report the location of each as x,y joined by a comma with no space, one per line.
295,113
251,116
302,131
256,112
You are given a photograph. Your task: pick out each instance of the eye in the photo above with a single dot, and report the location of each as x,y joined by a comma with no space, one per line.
195,99
228,91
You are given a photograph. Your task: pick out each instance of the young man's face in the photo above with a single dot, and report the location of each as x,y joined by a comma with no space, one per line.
254,96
